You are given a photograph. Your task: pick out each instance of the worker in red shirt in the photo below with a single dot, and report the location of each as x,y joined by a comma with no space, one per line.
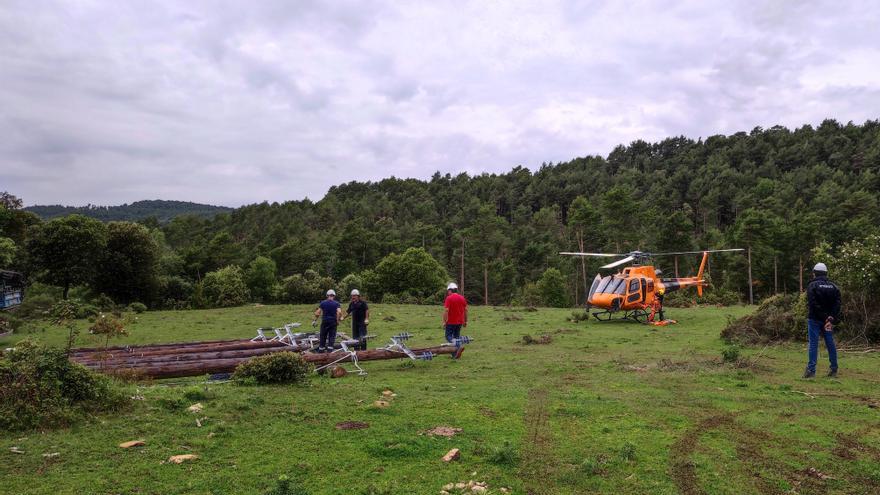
454,312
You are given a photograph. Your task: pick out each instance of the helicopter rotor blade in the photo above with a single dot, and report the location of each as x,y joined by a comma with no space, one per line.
606,255
698,252
618,262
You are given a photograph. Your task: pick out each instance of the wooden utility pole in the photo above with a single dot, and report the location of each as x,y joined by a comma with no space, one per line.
751,293
486,283
461,275
676,267
801,273
775,277
583,262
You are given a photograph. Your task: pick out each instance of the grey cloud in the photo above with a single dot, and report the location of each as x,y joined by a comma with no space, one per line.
238,102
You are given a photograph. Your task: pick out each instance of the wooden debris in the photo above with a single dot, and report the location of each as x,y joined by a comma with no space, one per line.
180,459
132,443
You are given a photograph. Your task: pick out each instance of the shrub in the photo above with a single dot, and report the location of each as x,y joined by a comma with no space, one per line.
504,455
552,289
37,306
40,387
414,271
278,367
9,323
284,486
72,308
730,354
137,307
628,452
175,292
306,288
225,287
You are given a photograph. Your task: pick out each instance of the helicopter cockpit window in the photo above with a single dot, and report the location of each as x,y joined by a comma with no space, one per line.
603,284
620,288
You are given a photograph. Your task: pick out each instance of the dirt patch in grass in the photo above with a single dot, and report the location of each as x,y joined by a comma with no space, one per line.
537,461
443,431
684,472
540,340
352,425
848,446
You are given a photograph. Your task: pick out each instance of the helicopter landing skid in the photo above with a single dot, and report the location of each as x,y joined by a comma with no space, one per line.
636,315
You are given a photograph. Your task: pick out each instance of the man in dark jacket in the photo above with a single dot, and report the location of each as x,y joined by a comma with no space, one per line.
823,307
360,318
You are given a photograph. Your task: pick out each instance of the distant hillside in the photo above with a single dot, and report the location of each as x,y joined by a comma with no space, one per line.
164,211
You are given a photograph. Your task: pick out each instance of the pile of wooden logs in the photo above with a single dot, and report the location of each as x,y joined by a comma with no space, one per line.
209,357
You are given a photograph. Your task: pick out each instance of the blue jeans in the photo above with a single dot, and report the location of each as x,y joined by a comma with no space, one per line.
814,331
452,332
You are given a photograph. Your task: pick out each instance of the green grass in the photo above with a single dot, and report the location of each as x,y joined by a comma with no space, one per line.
603,408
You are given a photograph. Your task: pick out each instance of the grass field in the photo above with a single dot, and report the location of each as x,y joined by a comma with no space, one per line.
602,408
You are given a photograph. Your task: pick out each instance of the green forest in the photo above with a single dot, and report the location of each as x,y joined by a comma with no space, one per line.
161,210
783,194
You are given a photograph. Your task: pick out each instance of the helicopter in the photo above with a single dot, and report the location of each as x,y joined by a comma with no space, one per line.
638,290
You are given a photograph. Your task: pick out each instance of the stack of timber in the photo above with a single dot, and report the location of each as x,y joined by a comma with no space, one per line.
219,356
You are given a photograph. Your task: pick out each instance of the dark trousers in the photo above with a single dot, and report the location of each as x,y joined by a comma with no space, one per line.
327,338
359,332
452,332
815,331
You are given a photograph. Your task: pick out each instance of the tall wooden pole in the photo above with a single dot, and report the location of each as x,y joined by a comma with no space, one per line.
583,262
676,267
751,293
486,283
461,276
775,277
801,273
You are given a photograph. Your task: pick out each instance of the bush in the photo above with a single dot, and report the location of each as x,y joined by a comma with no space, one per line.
9,323
414,272
40,387
137,307
278,367
505,455
552,289
730,354
34,307
175,292
225,287
307,288
284,486
72,307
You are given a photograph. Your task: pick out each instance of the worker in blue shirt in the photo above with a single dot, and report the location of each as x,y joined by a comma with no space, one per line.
330,312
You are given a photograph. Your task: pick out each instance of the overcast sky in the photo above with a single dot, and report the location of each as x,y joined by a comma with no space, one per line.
238,102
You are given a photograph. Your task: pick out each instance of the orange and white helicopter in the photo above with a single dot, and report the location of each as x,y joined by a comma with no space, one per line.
638,290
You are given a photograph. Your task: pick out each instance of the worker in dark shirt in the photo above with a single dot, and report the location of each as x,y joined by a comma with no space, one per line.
823,307
329,311
360,318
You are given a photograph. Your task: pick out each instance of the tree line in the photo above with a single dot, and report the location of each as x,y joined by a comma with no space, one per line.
779,193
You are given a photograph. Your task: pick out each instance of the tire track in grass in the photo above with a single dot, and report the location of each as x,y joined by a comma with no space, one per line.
537,462
684,472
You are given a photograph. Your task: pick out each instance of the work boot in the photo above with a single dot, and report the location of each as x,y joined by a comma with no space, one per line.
809,374
832,374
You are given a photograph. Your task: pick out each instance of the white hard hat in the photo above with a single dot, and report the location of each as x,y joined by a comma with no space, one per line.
355,292
452,286
820,267
331,292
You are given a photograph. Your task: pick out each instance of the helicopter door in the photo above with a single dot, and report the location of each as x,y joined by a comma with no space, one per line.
634,291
